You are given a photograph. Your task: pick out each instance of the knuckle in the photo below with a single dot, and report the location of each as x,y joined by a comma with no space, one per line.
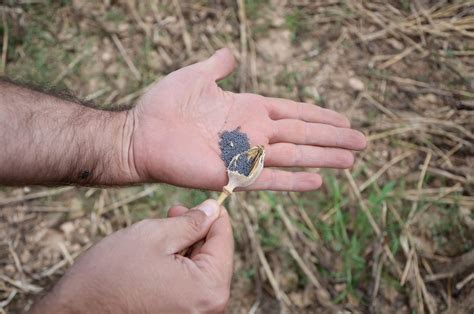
345,122
307,133
221,300
300,110
142,224
253,98
194,220
215,301
142,229
361,140
339,119
338,137
301,131
295,155
273,129
256,97
271,181
148,224
347,159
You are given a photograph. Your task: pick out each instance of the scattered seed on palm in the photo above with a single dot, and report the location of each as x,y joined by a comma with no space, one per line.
244,164
231,144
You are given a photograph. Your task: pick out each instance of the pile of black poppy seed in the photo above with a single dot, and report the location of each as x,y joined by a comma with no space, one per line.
243,165
231,144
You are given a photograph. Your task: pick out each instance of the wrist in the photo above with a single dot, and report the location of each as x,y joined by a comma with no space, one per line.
135,151
106,158
124,169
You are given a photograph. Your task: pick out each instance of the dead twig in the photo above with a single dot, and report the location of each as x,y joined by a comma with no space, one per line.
5,43
16,259
364,208
397,131
458,265
396,58
32,196
47,209
132,198
126,58
71,66
127,99
464,282
380,106
23,286
286,221
447,174
137,17
419,185
436,90
382,170
323,295
62,263
243,45
253,61
304,216
280,295
186,37
7,301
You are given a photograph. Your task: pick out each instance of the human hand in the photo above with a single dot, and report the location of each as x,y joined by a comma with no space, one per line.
178,121
138,270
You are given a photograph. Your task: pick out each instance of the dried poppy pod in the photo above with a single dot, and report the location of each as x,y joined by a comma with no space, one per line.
254,157
251,162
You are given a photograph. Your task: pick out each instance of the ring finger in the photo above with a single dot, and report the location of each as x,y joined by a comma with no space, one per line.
305,133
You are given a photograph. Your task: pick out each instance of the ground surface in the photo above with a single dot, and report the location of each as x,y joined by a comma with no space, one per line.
394,234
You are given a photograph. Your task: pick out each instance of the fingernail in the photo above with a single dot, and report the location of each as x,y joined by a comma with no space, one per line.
209,207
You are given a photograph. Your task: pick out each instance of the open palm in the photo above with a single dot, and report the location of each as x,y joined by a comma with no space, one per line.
178,121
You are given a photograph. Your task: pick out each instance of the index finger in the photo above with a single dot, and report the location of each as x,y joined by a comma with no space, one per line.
279,108
216,254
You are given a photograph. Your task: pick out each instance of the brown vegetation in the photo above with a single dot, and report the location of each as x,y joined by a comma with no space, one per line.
392,235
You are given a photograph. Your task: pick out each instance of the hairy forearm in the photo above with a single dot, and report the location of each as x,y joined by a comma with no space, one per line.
48,140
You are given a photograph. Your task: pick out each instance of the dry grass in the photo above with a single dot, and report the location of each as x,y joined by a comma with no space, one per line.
393,234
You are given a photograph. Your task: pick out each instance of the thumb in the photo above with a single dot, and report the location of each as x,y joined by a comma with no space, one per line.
219,65
218,250
183,231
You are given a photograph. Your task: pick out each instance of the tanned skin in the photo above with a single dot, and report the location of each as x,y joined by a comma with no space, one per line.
50,140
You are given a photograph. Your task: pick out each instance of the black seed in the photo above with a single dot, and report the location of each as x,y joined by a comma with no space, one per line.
231,144
243,165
